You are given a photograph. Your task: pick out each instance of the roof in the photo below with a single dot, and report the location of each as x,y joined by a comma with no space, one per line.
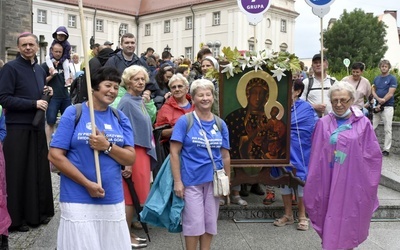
154,6
134,7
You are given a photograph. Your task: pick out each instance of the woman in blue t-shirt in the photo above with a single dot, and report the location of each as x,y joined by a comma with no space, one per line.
192,166
93,215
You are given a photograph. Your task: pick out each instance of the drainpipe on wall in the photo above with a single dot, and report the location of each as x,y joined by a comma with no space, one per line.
94,25
137,34
193,22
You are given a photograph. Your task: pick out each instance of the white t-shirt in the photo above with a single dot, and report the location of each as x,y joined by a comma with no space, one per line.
315,96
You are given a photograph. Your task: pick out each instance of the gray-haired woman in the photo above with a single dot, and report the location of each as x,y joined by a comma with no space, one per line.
192,166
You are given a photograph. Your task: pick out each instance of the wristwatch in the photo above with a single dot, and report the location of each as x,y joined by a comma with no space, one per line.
108,150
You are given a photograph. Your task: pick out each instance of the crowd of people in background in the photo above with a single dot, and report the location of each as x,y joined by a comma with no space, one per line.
133,94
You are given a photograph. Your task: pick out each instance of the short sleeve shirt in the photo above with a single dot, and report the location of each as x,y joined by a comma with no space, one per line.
196,164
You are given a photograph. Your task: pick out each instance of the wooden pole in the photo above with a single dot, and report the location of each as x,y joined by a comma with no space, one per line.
255,37
322,61
89,88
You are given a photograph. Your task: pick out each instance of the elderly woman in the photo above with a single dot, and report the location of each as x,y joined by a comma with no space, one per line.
176,106
303,119
340,194
192,167
93,216
132,104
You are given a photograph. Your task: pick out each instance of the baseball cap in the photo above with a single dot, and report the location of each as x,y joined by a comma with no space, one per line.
61,33
318,57
108,43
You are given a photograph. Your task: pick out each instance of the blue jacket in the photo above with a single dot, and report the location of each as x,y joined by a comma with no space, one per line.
160,209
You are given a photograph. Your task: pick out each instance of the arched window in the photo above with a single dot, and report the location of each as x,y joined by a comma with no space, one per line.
283,47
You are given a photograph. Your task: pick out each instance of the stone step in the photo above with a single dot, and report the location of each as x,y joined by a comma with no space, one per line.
389,208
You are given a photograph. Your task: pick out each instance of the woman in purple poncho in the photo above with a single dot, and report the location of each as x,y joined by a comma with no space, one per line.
340,194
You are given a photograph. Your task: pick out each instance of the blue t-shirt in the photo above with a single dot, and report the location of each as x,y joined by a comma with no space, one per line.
382,85
76,143
196,164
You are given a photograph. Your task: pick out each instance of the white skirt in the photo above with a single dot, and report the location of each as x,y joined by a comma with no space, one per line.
88,226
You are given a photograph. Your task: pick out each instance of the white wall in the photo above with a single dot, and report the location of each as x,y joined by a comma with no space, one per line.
392,38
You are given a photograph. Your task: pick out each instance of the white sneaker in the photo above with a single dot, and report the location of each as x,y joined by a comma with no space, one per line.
238,200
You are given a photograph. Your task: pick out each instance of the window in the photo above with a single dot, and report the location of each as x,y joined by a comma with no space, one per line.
147,29
188,52
216,18
251,46
283,47
42,16
251,43
123,29
167,26
268,23
72,21
73,49
99,25
189,22
283,25
268,43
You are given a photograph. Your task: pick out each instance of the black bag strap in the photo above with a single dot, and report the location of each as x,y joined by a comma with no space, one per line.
78,113
311,82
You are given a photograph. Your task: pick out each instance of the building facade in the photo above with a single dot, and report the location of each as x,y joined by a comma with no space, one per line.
15,18
218,24
99,26
183,25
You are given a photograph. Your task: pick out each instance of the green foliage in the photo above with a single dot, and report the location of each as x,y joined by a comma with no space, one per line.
370,74
233,62
358,36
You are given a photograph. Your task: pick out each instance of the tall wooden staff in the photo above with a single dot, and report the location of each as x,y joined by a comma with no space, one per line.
322,61
89,88
320,9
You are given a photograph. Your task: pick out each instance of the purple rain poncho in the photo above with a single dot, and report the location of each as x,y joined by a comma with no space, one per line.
340,194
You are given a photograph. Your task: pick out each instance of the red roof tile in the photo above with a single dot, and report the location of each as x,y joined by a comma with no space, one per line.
129,7
135,7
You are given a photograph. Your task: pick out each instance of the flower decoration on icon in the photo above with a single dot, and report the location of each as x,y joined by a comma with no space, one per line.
234,62
278,72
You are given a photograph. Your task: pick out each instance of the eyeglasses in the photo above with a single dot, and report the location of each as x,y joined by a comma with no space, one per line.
342,101
177,87
138,79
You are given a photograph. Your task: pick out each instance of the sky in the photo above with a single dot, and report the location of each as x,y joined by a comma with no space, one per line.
308,25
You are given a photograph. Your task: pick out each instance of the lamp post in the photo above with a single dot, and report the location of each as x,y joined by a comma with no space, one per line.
214,46
167,48
42,48
120,33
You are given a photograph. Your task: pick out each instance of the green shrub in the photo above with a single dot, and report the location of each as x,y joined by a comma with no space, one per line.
370,74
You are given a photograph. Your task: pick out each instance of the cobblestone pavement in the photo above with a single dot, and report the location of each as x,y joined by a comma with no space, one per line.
21,240
44,236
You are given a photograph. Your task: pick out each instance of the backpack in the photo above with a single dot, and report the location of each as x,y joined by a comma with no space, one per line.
189,119
78,91
311,82
78,113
